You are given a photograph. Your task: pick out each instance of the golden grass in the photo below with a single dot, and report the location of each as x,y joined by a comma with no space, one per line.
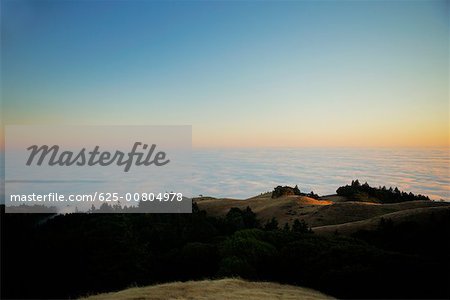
329,210
345,212
285,209
230,289
422,215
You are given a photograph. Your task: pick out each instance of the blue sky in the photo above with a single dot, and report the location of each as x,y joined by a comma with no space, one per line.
253,73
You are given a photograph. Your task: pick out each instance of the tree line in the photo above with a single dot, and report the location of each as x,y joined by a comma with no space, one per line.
357,191
72,255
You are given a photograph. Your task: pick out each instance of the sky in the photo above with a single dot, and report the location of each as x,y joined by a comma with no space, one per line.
242,73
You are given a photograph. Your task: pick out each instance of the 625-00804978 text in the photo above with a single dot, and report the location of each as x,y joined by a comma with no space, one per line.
101,197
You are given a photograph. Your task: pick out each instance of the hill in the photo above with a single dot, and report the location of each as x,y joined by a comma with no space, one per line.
406,259
231,289
285,209
327,210
424,216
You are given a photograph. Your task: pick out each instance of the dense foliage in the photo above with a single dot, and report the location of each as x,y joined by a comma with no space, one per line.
62,256
365,192
281,191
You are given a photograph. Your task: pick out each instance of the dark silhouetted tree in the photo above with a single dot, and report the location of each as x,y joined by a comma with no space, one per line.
300,226
272,224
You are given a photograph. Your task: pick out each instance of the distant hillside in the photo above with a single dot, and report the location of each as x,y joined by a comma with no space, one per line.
424,216
285,209
344,212
230,289
327,210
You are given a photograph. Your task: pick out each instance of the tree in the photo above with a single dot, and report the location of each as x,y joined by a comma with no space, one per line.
272,224
234,218
300,226
249,218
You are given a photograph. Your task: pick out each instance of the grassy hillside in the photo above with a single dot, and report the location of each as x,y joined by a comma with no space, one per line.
285,209
422,215
329,210
230,289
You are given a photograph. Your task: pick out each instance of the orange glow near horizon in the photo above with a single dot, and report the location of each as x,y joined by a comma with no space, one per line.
400,138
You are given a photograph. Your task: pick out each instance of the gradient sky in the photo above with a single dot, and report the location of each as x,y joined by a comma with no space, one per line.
254,73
